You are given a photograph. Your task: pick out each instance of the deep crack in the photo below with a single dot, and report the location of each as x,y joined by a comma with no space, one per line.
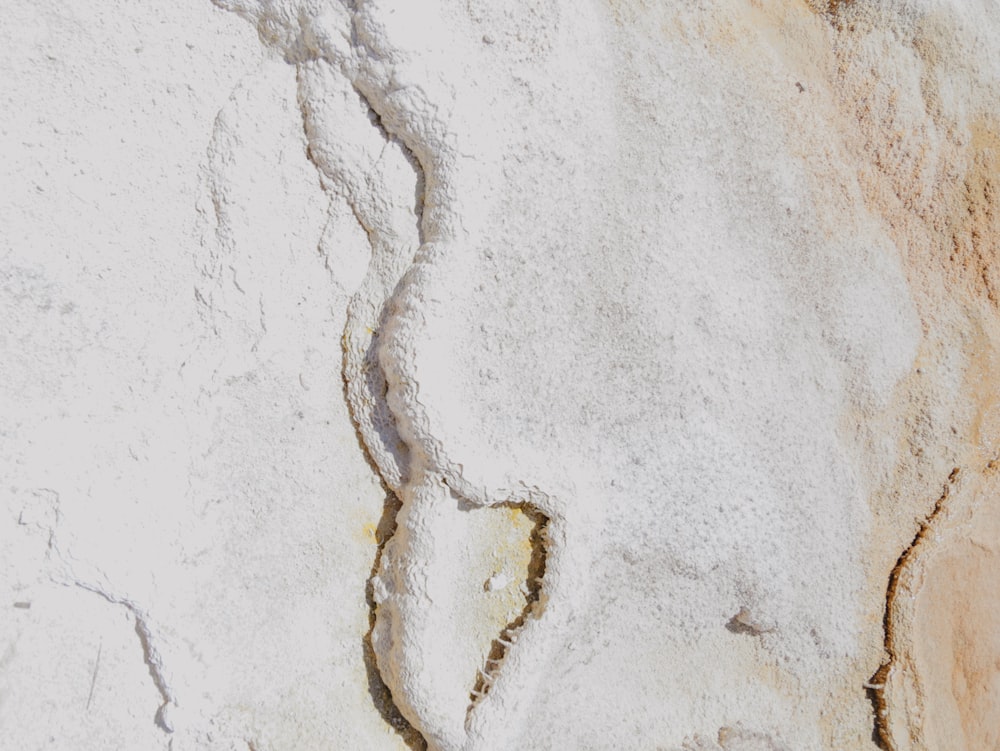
877,683
534,582
377,689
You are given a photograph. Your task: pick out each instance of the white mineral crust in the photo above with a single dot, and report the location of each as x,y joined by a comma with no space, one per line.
500,374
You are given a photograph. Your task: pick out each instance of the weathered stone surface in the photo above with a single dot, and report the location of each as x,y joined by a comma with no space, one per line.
498,375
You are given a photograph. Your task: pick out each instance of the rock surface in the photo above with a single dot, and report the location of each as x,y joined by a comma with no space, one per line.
492,375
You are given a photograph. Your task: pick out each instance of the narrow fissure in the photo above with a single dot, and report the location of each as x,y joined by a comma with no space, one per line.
148,656
377,689
380,694
877,683
376,388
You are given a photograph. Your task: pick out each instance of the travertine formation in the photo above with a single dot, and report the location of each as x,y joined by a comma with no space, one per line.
494,375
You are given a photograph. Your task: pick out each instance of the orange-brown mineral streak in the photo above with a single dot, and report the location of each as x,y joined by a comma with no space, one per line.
932,178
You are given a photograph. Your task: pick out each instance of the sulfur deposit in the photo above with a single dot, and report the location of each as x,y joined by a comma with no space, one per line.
521,374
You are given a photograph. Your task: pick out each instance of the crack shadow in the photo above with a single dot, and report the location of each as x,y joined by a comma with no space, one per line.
532,606
379,692
876,685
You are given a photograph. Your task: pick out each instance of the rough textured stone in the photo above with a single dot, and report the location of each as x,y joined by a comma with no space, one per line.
491,375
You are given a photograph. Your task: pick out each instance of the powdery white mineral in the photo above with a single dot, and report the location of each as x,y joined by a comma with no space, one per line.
501,375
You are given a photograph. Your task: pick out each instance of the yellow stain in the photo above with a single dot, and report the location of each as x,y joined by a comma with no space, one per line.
366,533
